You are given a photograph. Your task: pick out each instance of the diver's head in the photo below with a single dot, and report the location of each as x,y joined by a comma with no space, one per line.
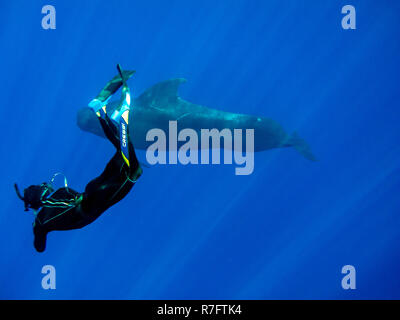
34,194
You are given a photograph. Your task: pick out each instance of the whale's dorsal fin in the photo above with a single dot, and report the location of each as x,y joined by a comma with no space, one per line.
162,94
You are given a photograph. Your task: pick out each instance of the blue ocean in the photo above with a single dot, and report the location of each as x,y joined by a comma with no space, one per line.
200,231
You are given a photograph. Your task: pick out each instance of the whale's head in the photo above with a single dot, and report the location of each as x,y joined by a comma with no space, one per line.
87,121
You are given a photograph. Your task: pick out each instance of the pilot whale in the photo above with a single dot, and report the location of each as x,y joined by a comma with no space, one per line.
160,104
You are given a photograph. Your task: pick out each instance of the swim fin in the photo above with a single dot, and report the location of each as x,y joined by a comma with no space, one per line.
99,103
122,116
125,99
125,105
114,84
98,107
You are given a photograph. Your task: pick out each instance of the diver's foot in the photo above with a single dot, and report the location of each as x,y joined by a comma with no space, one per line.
125,106
117,114
98,107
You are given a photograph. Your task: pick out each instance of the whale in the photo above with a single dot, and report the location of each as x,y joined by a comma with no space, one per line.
160,104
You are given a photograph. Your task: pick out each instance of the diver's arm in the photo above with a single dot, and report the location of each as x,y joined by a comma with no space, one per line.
62,198
39,235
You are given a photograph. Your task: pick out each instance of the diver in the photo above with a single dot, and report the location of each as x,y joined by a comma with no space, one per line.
67,209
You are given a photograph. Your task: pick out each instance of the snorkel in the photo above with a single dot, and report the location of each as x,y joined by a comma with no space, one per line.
21,197
34,194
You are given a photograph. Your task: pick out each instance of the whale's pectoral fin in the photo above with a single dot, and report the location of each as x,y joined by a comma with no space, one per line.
161,94
301,146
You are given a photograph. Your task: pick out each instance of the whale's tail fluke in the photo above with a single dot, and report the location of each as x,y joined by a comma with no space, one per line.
301,146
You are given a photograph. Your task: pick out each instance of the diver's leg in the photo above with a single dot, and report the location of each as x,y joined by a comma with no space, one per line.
110,130
99,191
123,169
127,150
135,170
123,132
111,186
117,179
121,116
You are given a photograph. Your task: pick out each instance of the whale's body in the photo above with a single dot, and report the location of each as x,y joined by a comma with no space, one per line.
160,104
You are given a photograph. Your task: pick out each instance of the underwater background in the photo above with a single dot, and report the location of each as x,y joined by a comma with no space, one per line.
200,231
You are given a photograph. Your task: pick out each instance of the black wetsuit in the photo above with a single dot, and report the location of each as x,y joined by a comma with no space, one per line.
67,209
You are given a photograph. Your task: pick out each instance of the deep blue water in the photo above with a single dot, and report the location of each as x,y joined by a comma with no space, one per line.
191,232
